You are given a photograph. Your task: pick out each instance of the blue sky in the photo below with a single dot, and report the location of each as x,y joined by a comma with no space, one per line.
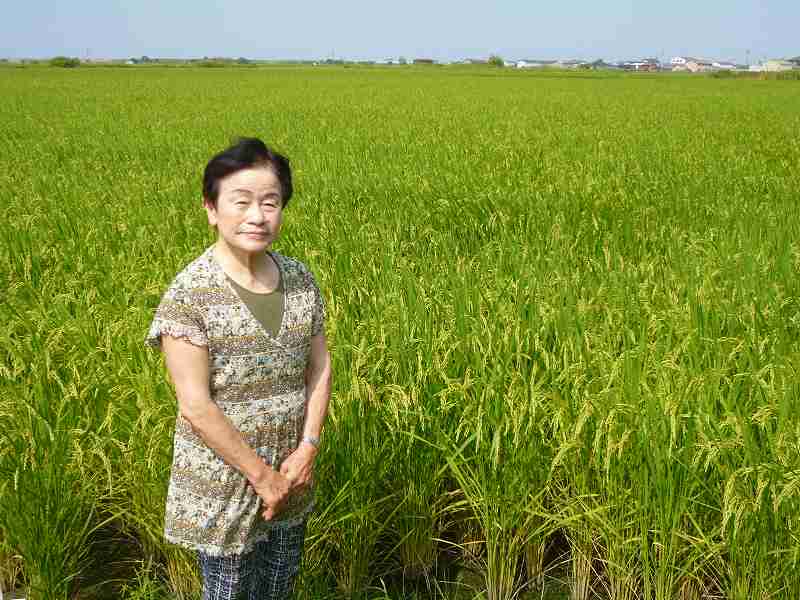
441,29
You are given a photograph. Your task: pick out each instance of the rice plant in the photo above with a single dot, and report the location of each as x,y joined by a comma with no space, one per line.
564,315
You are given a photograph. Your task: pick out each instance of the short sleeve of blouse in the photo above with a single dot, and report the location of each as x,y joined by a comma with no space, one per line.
318,310
176,316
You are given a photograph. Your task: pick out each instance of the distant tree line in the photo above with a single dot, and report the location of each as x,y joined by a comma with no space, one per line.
493,60
64,62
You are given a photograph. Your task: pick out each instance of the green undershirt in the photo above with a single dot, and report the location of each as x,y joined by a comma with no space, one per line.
266,308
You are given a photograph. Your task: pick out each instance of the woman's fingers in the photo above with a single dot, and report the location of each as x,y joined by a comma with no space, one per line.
269,511
300,484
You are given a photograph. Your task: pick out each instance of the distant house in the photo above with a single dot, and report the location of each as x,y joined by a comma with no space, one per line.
529,63
699,65
777,65
690,63
571,64
723,66
645,64
424,61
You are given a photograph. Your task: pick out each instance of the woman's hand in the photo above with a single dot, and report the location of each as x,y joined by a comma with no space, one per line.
273,489
298,467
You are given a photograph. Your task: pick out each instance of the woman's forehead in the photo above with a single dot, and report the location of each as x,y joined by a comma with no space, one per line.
254,180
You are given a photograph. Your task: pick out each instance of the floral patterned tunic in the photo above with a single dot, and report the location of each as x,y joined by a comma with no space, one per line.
259,383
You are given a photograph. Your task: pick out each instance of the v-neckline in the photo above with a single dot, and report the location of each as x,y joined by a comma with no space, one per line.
243,305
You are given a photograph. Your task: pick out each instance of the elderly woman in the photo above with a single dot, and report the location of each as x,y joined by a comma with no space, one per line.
242,330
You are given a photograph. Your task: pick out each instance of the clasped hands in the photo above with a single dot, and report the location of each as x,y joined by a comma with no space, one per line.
295,473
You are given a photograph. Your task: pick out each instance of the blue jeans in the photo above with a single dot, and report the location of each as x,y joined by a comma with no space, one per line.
267,572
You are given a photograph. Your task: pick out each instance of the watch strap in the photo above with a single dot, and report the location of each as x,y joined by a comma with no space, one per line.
314,441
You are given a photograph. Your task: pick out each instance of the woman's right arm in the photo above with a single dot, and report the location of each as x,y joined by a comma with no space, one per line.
188,367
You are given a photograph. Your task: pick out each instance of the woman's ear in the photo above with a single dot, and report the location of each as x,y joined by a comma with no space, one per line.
211,211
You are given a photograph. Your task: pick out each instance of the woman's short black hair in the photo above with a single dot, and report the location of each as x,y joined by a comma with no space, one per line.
246,153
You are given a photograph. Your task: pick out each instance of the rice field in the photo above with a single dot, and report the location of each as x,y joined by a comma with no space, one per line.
563,311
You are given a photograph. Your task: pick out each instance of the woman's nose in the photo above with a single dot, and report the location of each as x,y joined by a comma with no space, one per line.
255,214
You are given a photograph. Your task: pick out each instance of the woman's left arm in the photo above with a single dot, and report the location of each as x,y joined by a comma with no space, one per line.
298,466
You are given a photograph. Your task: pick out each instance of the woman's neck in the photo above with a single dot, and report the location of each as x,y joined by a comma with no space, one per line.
250,270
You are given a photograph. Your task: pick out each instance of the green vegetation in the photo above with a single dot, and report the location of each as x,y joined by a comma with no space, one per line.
564,314
762,75
65,62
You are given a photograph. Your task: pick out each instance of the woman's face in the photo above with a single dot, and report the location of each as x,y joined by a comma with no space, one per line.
249,210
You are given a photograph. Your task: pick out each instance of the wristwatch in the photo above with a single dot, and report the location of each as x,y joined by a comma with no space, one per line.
314,441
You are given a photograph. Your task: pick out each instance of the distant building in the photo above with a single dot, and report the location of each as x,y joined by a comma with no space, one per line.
424,61
691,63
723,66
600,64
699,65
529,63
571,64
775,65
645,64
